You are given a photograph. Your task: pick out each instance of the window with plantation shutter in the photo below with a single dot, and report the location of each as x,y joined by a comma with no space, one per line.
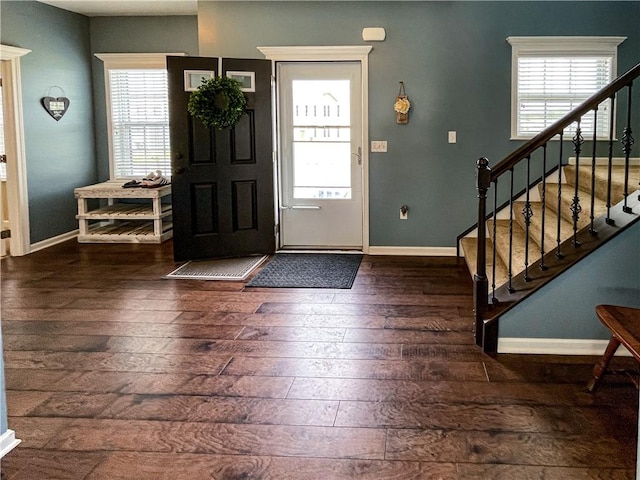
138,114
553,75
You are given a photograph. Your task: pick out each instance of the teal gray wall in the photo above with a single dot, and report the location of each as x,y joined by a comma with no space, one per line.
168,34
456,65
566,307
60,154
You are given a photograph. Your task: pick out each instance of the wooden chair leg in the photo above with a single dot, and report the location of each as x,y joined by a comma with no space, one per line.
601,366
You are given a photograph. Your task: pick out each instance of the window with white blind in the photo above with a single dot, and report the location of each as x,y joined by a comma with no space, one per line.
139,122
137,113
553,75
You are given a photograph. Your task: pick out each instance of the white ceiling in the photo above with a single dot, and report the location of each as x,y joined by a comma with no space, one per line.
109,8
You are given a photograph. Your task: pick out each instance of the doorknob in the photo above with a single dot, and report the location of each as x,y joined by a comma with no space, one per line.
179,170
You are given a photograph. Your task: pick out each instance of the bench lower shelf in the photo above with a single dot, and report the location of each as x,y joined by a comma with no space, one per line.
126,232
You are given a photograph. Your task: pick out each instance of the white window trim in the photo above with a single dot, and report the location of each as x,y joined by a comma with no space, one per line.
17,192
114,61
556,45
136,60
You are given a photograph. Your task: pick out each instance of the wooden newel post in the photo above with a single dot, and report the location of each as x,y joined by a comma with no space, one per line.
480,281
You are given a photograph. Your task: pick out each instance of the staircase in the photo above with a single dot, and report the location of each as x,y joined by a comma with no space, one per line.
498,229
538,227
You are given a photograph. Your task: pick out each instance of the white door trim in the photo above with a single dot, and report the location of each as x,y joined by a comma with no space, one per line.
356,53
18,198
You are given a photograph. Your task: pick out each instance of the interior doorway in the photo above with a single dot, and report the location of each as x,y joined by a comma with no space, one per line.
5,229
17,206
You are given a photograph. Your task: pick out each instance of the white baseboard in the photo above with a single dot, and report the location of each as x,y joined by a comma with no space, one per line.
414,251
556,346
8,442
50,242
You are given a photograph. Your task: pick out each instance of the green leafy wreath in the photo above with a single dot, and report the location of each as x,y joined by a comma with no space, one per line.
218,102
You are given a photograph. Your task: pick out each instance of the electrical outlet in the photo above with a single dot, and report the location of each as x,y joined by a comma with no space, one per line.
379,146
404,212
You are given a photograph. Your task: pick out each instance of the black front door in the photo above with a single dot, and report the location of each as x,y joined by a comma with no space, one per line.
222,180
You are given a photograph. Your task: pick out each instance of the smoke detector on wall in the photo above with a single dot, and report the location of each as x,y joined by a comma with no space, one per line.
373,34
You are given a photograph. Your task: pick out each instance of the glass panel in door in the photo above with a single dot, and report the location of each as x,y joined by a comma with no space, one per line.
321,139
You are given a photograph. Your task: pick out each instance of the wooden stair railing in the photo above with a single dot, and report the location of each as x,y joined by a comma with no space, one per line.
490,301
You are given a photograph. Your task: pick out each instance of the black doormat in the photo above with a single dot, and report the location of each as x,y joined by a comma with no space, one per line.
308,270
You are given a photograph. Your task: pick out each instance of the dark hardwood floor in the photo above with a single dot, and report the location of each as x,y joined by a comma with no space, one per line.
113,372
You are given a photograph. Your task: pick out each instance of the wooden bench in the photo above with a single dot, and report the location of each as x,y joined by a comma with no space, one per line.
624,324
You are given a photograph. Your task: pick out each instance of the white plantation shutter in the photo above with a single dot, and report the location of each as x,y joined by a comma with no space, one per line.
553,75
139,122
550,87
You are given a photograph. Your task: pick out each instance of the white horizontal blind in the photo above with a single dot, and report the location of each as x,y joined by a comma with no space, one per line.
549,87
140,122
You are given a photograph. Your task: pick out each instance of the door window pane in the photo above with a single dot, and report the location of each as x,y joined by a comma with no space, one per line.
321,139
322,170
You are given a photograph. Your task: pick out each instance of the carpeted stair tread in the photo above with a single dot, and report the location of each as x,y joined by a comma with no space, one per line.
550,225
518,249
568,193
470,251
551,217
601,180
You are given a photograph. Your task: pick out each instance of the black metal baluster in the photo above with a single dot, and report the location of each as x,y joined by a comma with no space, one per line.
494,253
559,211
592,230
527,213
609,220
511,289
627,142
543,206
575,207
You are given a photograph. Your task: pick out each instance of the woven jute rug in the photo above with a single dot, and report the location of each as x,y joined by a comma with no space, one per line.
218,269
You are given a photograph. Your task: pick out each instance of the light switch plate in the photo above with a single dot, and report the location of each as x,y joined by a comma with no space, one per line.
378,145
452,136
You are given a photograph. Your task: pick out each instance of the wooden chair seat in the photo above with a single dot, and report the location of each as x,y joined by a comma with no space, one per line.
624,324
